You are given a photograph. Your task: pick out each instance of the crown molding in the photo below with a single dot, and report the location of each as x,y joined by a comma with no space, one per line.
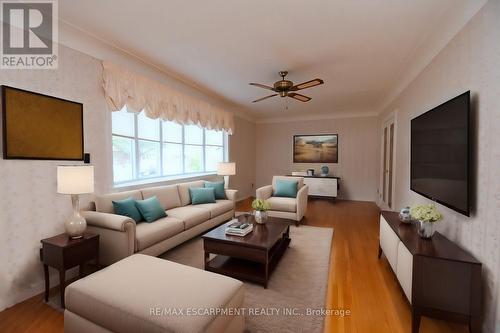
451,23
316,117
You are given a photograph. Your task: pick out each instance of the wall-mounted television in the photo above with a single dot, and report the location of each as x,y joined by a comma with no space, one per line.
440,154
40,127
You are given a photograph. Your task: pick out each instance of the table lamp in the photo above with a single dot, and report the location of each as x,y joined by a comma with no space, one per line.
75,180
226,169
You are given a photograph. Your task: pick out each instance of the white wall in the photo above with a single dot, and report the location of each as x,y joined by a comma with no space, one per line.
242,151
30,209
358,153
469,62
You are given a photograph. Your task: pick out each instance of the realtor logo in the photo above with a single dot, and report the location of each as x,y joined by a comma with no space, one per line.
29,34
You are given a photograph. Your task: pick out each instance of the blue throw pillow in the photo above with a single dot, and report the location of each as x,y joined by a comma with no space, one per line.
286,188
150,209
218,187
126,207
201,195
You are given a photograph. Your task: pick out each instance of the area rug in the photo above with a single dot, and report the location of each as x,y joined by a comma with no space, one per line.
297,286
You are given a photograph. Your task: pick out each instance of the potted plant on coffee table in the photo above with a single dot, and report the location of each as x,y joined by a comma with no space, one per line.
260,207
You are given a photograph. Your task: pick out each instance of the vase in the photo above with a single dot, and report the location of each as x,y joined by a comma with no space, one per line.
260,216
76,225
426,229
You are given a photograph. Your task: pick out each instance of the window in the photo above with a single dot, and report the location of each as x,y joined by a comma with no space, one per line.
145,148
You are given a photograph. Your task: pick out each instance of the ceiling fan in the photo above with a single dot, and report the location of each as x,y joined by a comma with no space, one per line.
286,88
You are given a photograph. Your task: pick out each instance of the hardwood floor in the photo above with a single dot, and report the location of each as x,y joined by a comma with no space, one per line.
357,281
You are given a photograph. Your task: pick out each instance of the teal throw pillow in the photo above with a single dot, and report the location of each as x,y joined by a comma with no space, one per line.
286,188
126,207
150,209
218,187
201,195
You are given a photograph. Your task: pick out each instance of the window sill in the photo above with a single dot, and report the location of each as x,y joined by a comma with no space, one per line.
160,180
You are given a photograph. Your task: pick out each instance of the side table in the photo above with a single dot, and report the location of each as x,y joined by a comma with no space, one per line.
63,253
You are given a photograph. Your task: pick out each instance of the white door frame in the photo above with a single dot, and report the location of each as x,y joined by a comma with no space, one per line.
391,117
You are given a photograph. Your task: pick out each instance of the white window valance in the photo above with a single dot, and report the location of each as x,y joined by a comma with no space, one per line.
122,87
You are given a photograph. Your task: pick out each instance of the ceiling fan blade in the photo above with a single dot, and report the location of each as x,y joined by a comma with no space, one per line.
262,86
307,84
263,98
299,97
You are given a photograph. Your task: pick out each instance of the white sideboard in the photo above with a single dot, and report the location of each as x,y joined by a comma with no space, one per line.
398,256
322,186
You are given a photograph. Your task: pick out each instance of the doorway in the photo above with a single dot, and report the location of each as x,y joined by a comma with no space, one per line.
388,159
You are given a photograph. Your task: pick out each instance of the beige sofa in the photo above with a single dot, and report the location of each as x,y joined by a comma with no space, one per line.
121,237
288,208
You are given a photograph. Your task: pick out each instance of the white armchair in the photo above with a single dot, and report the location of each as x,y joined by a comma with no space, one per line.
288,208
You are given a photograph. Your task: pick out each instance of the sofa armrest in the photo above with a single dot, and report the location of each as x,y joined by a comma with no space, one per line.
231,194
264,192
107,221
302,197
116,235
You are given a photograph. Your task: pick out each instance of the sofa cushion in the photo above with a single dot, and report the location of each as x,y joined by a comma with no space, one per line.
220,192
202,195
119,297
150,209
184,191
148,234
167,195
300,181
127,207
104,203
191,216
283,204
218,208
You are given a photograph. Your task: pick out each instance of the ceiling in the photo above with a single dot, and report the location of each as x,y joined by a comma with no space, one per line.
361,49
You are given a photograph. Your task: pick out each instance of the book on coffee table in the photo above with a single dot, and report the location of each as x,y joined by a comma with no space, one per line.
239,228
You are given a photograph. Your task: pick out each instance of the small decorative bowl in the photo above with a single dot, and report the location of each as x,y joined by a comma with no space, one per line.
404,215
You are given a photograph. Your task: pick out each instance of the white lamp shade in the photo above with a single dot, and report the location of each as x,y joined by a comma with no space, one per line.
75,179
226,169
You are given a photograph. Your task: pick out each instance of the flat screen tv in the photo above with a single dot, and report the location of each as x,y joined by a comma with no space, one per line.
440,151
41,127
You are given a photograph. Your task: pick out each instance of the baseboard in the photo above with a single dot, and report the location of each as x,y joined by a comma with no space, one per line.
244,198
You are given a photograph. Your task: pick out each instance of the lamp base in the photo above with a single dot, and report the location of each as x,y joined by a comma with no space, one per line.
75,226
76,237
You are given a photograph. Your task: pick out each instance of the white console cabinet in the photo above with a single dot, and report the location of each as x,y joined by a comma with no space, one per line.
397,254
322,186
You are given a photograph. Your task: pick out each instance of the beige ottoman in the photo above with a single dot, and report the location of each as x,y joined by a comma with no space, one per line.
146,294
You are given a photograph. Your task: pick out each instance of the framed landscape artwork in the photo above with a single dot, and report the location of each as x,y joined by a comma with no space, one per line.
321,148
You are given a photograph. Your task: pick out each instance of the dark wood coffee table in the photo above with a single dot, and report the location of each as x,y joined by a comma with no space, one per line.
252,257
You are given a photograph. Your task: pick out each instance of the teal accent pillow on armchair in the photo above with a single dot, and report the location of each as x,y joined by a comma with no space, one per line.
126,207
218,187
150,209
201,195
286,188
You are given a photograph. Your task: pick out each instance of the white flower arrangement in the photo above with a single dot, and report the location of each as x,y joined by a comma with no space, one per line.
426,213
